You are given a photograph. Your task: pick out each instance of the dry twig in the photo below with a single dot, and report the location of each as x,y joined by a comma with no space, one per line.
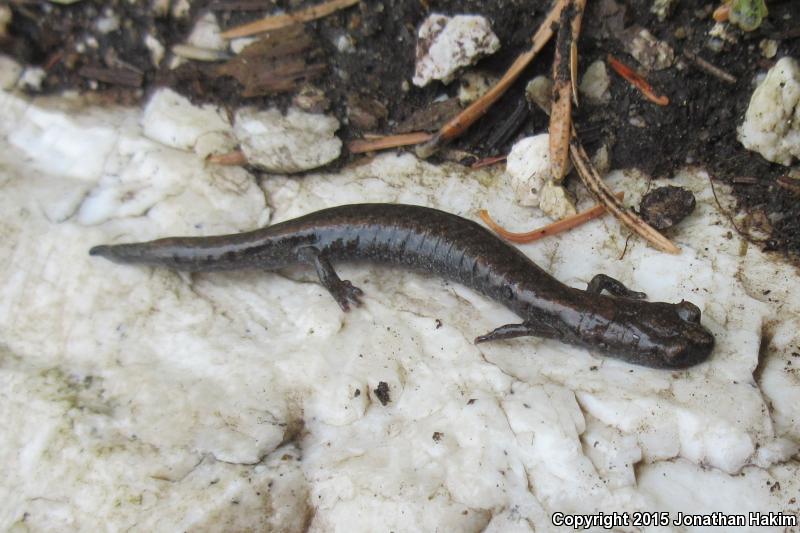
485,162
637,80
591,178
563,84
709,68
551,229
359,146
275,22
479,107
573,71
235,159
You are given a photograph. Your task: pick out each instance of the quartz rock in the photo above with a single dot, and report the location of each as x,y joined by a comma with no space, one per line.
295,142
245,399
446,44
595,83
474,85
32,78
174,121
651,53
10,72
555,202
528,167
772,122
207,34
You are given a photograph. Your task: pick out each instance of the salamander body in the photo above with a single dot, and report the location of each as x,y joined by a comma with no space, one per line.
621,324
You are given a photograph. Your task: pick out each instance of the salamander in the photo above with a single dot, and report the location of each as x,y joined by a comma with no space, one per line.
607,317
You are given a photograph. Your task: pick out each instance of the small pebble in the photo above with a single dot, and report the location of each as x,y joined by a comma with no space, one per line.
664,207
769,48
637,121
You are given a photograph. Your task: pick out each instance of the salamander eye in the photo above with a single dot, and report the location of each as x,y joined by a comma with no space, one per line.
688,312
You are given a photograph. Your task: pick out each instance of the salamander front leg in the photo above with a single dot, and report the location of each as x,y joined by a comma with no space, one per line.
511,331
342,291
601,282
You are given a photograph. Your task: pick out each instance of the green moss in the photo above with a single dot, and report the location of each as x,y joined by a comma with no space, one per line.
748,14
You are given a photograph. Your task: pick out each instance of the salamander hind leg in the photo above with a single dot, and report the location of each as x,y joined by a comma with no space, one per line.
344,292
601,282
511,331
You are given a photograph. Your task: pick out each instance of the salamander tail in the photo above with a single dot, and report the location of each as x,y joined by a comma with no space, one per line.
103,250
124,253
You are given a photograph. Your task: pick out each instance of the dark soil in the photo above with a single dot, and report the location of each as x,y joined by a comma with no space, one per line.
382,393
698,127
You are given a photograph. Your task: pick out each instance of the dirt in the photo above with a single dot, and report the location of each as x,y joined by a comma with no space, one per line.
369,87
382,393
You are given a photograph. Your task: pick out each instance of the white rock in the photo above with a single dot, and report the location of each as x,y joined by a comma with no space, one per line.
446,44
555,202
160,8
60,138
108,22
196,380
662,8
32,78
174,61
768,47
651,53
240,43
780,373
539,91
295,142
601,159
612,453
180,8
772,122
666,487
143,174
173,120
528,168
10,72
344,43
188,51
722,31
207,34
595,82
529,173
156,49
473,85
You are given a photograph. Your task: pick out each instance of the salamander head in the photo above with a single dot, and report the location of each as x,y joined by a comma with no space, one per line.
662,335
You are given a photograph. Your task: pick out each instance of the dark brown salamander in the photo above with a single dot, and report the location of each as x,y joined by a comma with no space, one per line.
622,325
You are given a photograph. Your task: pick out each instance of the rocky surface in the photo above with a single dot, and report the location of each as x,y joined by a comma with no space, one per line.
138,398
294,142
